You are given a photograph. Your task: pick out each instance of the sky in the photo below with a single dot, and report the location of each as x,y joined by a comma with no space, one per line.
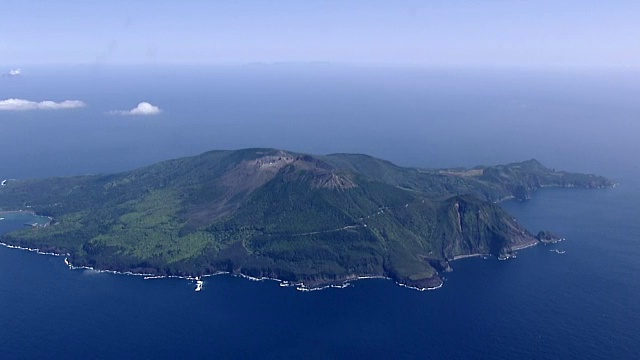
466,33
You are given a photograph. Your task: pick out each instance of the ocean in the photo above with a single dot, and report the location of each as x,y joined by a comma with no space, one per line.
577,299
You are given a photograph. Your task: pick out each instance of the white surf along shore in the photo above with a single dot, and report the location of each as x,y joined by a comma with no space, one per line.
199,280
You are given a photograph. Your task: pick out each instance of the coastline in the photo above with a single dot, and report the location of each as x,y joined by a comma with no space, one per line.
501,257
299,286
525,246
37,251
566,186
73,267
31,212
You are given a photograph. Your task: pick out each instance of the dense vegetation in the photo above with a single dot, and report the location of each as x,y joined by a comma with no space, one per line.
264,212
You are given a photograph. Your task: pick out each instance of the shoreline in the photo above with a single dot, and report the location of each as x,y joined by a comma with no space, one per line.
339,284
501,257
299,286
37,251
525,246
422,289
558,186
6,212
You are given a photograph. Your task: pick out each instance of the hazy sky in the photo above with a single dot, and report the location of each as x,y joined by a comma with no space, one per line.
558,33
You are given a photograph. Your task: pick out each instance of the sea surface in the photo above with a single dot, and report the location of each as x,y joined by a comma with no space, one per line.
577,299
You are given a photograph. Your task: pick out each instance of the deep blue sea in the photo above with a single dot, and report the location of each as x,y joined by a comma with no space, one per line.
582,302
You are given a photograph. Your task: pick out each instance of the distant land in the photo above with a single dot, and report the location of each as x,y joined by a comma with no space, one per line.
266,213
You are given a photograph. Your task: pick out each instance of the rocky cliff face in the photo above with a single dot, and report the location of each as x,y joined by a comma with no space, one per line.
475,227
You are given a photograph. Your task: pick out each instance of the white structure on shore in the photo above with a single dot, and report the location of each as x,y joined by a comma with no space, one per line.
199,284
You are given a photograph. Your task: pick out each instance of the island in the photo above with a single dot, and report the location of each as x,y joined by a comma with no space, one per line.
302,219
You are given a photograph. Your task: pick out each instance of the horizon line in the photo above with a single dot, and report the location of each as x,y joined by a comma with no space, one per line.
407,65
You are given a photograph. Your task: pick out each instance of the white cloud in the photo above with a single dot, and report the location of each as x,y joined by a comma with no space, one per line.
12,73
144,108
23,105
